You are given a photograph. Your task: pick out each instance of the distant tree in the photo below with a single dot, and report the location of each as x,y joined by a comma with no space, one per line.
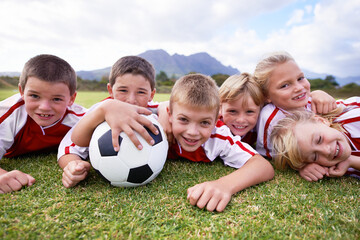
162,77
220,78
331,80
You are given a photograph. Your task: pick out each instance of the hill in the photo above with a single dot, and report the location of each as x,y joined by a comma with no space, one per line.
176,65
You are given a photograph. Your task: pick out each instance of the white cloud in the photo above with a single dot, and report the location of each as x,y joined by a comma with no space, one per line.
94,34
296,18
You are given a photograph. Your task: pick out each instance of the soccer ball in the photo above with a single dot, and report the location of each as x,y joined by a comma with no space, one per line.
129,167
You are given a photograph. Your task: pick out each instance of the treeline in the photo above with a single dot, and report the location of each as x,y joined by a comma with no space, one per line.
164,84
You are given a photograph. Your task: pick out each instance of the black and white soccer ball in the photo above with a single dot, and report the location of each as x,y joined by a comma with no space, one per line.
129,167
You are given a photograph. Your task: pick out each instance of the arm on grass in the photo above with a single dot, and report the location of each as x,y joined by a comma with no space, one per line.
313,172
14,180
120,116
322,102
215,195
74,169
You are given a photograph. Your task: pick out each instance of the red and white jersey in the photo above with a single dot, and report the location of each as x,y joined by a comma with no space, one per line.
222,143
270,115
350,121
68,147
249,137
19,133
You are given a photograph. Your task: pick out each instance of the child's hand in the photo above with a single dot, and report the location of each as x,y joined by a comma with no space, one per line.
74,172
339,169
322,102
124,117
213,195
14,181
313,172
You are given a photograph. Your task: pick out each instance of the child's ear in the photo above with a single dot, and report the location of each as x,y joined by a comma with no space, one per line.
109,88
21,91
169,113
72,99
152,94
322,120
267,100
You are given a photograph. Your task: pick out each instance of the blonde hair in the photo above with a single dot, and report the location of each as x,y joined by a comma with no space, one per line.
195,90
285,149
266,66
241,85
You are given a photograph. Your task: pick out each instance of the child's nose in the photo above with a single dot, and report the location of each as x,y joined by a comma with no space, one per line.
44,105
131,99
192,129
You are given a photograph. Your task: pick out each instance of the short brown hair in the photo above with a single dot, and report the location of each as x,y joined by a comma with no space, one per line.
196,90
49,68
134,65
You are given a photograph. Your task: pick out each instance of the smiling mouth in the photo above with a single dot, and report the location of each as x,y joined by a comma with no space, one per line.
239,127
299,96
45,115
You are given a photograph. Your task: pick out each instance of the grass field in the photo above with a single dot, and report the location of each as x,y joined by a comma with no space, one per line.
286,207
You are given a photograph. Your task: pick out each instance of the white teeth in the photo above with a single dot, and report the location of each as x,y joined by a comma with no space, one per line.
239,127
337,151
300,96
44,115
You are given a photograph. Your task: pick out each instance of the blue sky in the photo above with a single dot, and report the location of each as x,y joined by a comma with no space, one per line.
322,35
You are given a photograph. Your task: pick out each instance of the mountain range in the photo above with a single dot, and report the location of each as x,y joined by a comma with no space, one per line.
177,65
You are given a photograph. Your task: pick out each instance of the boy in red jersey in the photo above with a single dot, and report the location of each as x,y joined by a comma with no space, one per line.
37,118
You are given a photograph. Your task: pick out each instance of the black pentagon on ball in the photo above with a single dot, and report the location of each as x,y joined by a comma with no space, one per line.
157,138
139,174
105,145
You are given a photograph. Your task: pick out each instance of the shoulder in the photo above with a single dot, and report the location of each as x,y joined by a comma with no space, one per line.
12,108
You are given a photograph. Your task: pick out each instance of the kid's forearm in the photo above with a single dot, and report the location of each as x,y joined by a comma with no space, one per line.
84,129
65,159
256,170
355,162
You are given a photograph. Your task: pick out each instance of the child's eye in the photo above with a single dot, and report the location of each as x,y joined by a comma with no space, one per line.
250,111
205,123
182,119
34,96
141,92
232,111
57,99
122,90
284,85
319,140
301,78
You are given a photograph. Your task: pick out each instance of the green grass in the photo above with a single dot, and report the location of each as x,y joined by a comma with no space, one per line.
287,207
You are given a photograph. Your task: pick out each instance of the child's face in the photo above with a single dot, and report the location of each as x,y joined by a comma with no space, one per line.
191,126
240,117
320,143
46,102
288,88
133,89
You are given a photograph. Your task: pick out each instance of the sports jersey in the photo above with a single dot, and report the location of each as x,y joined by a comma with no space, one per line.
249,137
350,121
222,143
20,134
68,147
270,115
